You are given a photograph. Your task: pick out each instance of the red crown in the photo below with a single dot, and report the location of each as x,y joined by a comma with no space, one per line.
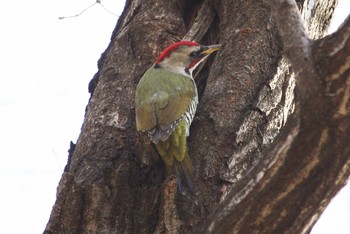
173,47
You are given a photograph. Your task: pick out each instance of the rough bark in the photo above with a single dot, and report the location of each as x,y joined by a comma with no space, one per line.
309,161
248,177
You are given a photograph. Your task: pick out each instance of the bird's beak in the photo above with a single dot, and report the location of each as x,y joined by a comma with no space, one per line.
210,49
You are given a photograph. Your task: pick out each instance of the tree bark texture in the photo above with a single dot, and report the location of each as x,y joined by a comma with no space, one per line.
270,141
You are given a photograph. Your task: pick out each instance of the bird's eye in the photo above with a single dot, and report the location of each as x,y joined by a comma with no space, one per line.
193,54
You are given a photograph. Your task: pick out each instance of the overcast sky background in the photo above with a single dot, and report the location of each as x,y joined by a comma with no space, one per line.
46,65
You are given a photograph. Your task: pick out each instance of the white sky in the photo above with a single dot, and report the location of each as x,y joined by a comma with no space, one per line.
46,65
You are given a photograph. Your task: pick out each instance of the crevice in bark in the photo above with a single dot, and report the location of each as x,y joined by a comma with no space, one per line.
201,73
191,12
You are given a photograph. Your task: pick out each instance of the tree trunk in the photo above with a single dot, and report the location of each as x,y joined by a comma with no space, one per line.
254,170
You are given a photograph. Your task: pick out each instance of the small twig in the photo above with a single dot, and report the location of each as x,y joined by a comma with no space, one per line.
97,2
110,12
73,16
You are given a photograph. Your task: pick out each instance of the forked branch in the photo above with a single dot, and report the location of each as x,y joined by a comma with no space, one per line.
282,194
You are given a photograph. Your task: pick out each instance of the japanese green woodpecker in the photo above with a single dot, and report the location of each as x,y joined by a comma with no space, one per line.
166,101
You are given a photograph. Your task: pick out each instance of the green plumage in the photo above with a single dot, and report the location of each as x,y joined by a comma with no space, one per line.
174,148
162,100
174,152
162,97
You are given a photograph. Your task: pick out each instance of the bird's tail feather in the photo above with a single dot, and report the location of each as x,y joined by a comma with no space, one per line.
174,153
183,172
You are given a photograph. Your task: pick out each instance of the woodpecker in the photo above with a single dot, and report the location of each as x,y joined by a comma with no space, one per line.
165,102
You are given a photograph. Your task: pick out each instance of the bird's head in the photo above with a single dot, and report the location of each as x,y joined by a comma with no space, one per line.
184,56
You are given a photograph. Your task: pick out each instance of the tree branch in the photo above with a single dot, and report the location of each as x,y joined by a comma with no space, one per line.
332,59
333,48
315,12
238,207
297,48
282,193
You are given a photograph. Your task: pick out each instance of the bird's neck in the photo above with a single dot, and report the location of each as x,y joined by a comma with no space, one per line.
175,69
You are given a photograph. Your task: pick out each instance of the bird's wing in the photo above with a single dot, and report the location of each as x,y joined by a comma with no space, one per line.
162,101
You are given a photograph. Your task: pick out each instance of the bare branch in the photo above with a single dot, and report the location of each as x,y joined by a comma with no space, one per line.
110,12
334,47
297,48
229,216
332,59
315,12
284,186
97,2
73,16
291,29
